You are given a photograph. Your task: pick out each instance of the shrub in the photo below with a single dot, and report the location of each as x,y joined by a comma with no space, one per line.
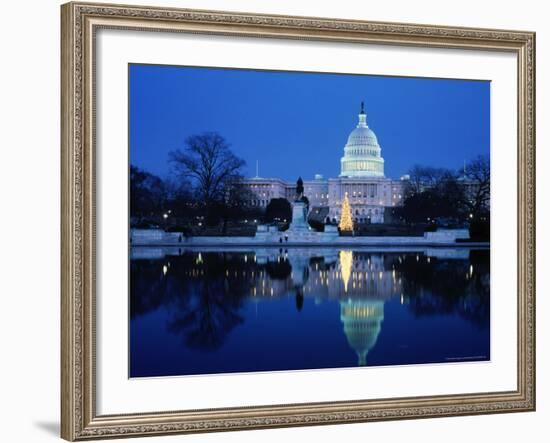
480,229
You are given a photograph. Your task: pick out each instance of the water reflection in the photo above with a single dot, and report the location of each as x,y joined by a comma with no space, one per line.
204,298
362,322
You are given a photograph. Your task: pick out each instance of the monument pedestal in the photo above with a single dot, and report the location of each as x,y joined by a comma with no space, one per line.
299,218
298,231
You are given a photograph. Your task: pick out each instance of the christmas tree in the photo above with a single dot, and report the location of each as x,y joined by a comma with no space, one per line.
346,222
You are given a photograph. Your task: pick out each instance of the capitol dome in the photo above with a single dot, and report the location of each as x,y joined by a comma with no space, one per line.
363,136
362,152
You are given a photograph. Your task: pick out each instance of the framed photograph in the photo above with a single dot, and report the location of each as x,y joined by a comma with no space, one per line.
283,221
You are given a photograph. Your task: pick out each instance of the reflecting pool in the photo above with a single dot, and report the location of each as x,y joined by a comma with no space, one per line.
209,311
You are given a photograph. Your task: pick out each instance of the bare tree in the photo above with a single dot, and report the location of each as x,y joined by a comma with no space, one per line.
209,164
425,177
478,195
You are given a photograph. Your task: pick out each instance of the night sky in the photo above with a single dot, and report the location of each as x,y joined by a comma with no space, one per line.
296,124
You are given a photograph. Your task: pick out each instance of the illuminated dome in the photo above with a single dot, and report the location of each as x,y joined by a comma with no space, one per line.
362,136
362,152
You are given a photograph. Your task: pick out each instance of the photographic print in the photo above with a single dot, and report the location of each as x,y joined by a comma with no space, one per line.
301,220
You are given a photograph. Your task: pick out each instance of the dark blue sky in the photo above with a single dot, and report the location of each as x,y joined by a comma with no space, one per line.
296,124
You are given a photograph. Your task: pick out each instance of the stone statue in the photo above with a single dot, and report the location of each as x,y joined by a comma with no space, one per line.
299,189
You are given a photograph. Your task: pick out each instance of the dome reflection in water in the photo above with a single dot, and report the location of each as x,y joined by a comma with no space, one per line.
219,311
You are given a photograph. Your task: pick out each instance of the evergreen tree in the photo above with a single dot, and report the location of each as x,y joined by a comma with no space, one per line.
346,222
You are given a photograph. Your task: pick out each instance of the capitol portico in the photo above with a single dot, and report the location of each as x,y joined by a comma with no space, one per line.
361,177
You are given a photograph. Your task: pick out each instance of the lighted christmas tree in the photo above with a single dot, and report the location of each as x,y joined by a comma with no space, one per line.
346,222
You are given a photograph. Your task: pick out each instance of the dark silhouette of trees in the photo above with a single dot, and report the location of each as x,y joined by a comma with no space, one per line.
422,178
480,228
214,172
479,172
237,199
440,201
278,209
438,193
431,194
159,202
179,197
418,207
147,193
234,207
209,164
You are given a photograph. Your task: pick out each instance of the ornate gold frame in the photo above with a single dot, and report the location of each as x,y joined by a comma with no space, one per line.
79,21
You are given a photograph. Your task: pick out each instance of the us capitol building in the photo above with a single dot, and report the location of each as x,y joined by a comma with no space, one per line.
362,178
